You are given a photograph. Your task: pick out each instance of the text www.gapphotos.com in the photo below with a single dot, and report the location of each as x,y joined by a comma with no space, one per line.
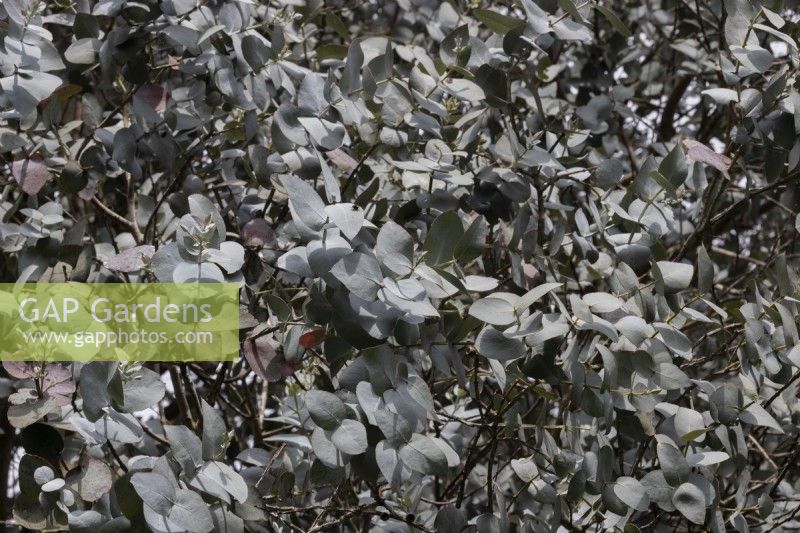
117,338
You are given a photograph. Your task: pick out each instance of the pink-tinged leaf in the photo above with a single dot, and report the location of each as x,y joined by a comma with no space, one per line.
312,338
58,383
19,369
266,362
56,373
62,393
131,259
31,174
532,276
154,95
340,158
703,154
257,233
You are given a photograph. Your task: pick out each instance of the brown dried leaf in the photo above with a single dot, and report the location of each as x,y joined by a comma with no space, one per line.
312,338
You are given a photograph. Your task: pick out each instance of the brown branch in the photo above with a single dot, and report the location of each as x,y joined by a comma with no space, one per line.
119,218
666,129
180,397
137,233
762,451
729,253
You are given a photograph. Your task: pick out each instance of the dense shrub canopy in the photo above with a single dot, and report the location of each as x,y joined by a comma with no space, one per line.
514,265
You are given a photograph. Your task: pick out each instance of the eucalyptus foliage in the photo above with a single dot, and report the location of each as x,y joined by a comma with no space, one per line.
522,265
